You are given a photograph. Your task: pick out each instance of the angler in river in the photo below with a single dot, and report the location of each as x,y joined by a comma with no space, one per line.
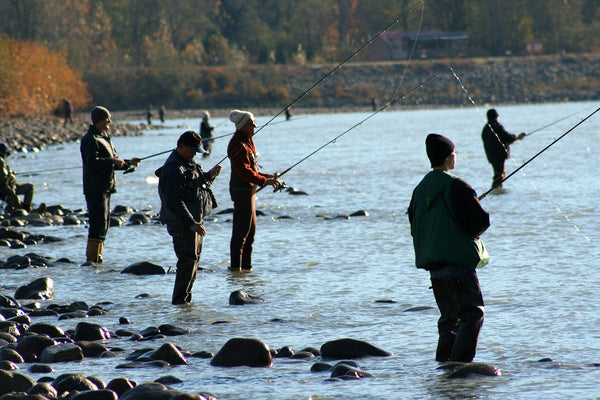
446,221
186,198
245,178
496,141
99,164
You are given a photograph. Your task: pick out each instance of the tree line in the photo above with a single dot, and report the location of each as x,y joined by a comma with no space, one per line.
113,40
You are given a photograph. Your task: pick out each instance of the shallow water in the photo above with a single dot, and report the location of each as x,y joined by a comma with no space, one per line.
321,277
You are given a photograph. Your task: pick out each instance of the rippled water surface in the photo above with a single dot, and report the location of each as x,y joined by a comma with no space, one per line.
320,277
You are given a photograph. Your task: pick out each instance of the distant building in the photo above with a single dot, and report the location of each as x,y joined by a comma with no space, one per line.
398,45
535,46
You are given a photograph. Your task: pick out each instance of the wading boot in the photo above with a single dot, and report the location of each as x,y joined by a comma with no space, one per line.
93,252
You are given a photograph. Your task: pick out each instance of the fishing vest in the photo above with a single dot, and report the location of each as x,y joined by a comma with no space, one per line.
438,239
197,194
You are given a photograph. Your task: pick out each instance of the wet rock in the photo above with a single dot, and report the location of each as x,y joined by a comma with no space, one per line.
42,288
71,220
8,365
350,348
90,332
284,352
14,382
172,330
149,391
101,394
243,352
124,320
143,364
139,219
9,302
169,353
46,329
295,192
33,344
360,213
61,352
8,354
239,297
468,370
40,368
71,382
115,221
44,389
320,367
168,380
120,385
144,268
346,371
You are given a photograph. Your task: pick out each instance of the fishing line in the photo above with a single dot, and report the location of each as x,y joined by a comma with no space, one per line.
334,140
332,71
565,216
552,123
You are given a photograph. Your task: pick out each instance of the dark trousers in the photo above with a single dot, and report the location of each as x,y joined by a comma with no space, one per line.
98,205
244,228
188,246
498,166
461,307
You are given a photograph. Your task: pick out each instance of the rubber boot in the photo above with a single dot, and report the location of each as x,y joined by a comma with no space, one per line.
93,252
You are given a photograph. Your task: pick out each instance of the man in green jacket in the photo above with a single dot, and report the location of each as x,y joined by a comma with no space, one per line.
446,221
99,164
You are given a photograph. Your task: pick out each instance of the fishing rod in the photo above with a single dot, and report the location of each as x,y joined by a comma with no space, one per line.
552,123
274,123
328,74
540,152
45,170
131,168
393,101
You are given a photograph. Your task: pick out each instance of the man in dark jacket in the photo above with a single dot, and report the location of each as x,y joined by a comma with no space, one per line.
186,198
10,189
99,164
446,220
496,141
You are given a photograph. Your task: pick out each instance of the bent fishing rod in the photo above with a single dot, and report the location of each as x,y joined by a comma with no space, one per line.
328,74
540,152
392,102
552,123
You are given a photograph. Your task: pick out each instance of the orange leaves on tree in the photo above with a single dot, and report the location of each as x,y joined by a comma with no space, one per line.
33,80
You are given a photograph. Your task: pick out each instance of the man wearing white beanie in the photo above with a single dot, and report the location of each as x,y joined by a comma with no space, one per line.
245,178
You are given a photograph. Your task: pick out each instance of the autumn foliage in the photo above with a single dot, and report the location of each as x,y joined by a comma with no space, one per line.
33,80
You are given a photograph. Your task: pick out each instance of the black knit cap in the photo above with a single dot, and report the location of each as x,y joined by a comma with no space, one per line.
438,148
192,139
99,114
492,114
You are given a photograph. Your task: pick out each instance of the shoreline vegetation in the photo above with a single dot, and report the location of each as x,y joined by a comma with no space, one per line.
488,81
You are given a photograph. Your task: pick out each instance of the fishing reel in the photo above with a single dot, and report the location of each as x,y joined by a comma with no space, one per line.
129,170
280,188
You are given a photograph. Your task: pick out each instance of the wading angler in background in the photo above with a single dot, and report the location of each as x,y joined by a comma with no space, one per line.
496,141
186,198
446,220
245,178
10,189
99,164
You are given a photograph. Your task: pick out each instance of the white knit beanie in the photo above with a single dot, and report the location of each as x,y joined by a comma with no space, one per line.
240,118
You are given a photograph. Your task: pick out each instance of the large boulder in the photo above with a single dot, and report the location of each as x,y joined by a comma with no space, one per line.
149,391
42,288
102,394
243,352
60,353
169,353
14,382
33,344
239,297
90,332
71,382
47,329
144,268
350,348
121,385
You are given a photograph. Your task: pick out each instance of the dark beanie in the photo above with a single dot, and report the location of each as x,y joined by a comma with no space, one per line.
99,114
438,148
492,114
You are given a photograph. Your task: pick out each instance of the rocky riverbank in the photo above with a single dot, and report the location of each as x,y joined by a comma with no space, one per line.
393,85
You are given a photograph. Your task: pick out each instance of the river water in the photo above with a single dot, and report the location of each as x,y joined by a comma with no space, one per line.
320,277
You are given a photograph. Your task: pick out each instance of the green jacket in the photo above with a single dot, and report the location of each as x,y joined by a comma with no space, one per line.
446,233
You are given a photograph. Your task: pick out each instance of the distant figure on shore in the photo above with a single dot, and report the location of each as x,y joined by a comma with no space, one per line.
288,114
206,132
373,104
243,183
99,164
10,189
149,115
161,114
67,111
496,141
